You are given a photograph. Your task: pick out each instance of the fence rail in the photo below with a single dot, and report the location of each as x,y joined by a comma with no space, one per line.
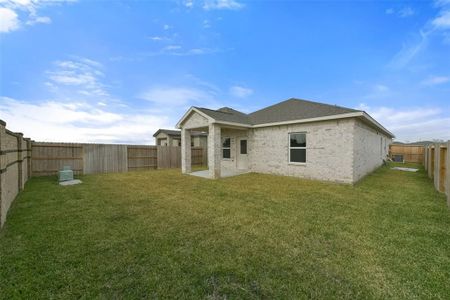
437,164
49,158
410,153
15,167
20,158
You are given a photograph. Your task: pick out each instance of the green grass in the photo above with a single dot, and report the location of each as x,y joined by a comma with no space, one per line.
160,234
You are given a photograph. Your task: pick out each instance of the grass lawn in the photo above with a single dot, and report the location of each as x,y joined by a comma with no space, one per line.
160,234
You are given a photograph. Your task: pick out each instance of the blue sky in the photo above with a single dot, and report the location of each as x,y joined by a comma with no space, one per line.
116,71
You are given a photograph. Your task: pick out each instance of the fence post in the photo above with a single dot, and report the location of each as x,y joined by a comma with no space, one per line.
2,168
437,154
425,158
447,167
28,141
430,161
19,137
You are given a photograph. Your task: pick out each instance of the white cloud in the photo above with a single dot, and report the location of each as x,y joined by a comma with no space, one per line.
8,20
381,88
402,12
443,21
406,12
222,4
188,3
37,20
206,24
160,38
24,11
177,96
167,27
412,124
240,92
177,50
435,80
410,50
79,122
172,47
81,73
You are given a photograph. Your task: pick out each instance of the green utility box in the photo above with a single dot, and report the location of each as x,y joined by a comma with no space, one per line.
66,174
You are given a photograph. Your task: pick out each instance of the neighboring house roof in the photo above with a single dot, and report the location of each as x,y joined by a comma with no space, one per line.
167,131
177,133
289,111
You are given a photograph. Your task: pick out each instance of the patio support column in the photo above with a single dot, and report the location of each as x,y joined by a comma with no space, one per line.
185,151
214,151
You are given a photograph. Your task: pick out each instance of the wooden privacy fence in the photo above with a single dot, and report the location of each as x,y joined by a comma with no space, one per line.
410,153
48,158
15,167
437,165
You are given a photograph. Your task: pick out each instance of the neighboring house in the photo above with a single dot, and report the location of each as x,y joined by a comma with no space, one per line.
294,137
165,137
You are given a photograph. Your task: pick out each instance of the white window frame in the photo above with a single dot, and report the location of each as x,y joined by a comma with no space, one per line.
289,148
229,148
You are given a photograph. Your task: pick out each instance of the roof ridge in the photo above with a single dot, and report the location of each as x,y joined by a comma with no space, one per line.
216,110
322,103
303,100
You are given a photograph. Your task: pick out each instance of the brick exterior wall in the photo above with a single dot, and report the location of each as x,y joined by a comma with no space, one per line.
343,150
329,148
369,150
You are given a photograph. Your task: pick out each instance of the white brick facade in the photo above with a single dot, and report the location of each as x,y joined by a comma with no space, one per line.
339,150
328,150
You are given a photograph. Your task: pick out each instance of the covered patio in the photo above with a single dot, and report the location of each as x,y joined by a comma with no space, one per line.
227,144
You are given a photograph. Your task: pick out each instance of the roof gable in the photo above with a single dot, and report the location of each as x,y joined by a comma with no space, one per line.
226,114
288,111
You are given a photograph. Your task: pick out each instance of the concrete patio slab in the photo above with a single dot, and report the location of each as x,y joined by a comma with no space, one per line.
224,173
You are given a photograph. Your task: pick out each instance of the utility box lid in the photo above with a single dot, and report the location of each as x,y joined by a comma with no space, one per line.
65,175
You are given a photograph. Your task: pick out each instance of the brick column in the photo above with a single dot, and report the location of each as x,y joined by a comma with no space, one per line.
214,151
186,166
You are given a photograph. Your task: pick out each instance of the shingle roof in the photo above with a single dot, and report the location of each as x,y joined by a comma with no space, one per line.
289,110
226,114
296,109
177,132
167,131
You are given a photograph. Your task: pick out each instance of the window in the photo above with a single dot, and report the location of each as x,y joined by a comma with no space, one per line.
226,151
243,146
297,147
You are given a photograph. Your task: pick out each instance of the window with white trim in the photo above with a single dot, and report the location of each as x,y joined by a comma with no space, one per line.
226,147
297,147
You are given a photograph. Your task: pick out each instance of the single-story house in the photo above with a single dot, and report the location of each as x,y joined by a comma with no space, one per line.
294,137
166,137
